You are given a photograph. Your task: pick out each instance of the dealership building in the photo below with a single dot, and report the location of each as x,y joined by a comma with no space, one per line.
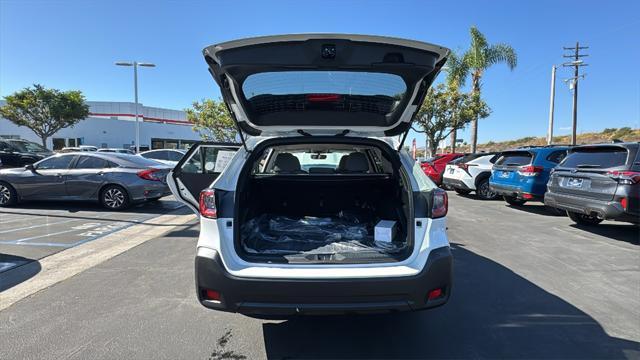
112,125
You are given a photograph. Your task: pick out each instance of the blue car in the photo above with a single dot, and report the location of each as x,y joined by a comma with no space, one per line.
522,174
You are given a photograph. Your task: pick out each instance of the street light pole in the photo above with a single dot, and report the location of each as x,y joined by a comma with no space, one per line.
135,91
135,65
551,105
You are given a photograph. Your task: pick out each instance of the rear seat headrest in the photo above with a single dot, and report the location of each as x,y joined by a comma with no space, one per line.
356,162
286,163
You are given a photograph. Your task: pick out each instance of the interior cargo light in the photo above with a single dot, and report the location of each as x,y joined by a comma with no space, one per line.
530,170
625,177
440,204
208,204
434,294
150,174
211,295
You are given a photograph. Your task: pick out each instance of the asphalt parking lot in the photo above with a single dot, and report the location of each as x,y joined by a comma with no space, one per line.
527,285
31,231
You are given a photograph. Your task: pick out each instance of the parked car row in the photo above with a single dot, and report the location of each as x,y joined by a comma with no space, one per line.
591,183
115,180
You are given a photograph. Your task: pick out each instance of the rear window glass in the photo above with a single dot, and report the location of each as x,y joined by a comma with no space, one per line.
516,158
471,157
134,160
596,158
348,91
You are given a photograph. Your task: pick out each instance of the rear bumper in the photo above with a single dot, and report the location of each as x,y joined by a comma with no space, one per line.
515,191
284,297
455,183
610,210
149,190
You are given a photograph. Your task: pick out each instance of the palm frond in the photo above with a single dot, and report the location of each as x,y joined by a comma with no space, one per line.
502,53
457,70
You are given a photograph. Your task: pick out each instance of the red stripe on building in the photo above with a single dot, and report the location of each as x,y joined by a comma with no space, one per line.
146,118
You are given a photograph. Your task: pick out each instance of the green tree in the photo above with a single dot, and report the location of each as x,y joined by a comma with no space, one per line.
457,71
45,111
478,58
211,119
444,111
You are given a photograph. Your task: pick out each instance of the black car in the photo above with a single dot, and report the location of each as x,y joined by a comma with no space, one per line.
598,182
18,153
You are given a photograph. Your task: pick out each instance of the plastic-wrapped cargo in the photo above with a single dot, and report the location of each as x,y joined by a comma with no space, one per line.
283,235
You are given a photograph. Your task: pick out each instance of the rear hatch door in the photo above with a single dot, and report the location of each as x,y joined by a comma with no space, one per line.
584,172
324,83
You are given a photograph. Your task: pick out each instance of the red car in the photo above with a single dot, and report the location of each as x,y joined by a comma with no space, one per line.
434,167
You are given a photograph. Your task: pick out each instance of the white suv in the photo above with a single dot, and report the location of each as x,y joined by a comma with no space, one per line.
471,173
319,212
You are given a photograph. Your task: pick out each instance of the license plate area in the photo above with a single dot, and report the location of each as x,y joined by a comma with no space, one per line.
571,182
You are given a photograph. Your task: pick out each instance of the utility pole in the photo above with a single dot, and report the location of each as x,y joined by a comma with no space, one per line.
551,105
576,64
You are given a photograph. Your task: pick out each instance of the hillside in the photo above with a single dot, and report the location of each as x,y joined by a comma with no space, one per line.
605,136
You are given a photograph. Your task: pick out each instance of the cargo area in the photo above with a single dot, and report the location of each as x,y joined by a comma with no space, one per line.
323,212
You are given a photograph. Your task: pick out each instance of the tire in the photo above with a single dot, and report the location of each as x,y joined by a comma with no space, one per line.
8,195
514,201
582,219
114,197
484,191
462,191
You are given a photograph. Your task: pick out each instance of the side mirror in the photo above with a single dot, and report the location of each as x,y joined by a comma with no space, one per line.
30,167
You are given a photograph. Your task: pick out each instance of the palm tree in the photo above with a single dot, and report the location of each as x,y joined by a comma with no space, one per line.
457,71
479,58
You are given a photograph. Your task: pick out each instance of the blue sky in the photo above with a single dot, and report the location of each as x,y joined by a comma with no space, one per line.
73,44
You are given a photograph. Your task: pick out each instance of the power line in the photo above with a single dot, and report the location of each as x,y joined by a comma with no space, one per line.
577,63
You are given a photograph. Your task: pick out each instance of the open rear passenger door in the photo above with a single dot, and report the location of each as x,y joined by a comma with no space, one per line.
198,169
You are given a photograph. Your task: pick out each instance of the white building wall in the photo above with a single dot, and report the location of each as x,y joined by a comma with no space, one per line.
112,124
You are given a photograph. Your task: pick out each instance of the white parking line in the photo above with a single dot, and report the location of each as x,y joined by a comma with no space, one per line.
37,226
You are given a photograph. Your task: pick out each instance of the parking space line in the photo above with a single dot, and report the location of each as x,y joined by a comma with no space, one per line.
37,226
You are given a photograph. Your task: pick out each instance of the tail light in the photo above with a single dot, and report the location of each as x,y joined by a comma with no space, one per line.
625,177
208,204
624,203
530,170
440,204
150,174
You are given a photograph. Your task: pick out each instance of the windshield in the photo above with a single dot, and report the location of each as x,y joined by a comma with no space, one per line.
27,146
326,160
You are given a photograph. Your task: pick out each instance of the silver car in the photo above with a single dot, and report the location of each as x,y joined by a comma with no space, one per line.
114,180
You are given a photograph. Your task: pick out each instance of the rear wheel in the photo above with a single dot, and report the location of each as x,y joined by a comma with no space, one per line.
484,191
583,219
114,197
8,195
462,191
512,200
